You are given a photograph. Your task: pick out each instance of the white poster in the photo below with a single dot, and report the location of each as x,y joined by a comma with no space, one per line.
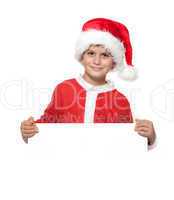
94,141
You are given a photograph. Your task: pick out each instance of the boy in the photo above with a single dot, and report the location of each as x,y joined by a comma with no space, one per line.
103,46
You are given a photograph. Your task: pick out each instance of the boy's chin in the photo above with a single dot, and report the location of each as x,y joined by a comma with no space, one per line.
98,76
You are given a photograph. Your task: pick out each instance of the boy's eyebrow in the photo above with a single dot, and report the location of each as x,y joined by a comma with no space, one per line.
90,49
107,52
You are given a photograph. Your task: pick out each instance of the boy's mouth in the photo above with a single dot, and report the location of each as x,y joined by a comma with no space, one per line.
96,68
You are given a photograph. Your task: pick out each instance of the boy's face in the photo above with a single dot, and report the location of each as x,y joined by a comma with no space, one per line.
97,62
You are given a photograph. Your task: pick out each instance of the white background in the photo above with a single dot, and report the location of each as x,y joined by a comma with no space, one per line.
37,41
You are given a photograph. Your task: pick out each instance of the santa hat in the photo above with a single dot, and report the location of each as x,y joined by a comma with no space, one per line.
114,36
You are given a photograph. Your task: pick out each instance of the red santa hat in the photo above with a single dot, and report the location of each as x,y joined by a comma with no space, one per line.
114,36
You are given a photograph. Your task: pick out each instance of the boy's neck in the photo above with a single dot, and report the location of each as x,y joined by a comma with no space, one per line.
93,81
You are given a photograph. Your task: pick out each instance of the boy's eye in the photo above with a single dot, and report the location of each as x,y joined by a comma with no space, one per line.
105,55
91,53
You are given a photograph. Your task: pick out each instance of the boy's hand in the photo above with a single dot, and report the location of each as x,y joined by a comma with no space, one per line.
28,129
145,128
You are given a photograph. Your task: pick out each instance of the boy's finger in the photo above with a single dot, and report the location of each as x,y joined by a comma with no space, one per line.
142,129
27,132
141,125
26,127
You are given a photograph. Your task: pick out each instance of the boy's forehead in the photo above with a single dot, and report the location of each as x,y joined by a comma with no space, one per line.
98,46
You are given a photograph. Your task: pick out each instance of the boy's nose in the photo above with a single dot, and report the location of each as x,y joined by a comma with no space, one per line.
97,60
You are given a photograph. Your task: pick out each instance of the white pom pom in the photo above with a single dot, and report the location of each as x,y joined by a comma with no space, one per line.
129,73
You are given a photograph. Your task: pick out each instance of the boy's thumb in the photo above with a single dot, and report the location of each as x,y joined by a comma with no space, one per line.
31,119
137,120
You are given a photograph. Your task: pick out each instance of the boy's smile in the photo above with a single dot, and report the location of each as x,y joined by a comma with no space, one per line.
97,62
